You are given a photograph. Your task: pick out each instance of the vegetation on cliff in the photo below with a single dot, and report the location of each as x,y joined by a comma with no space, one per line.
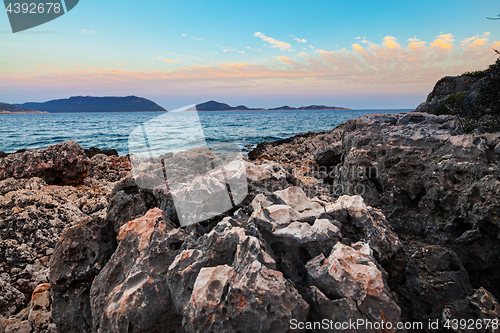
480,109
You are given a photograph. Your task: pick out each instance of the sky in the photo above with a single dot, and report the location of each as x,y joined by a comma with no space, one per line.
357,54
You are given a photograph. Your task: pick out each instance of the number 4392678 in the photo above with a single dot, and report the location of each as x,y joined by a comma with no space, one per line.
33,8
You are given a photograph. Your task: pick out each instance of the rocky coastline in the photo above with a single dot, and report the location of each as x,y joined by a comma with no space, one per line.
385,218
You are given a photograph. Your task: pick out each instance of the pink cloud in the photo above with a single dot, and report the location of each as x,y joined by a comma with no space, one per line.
367,66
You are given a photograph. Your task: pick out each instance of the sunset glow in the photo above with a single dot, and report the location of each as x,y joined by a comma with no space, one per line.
260,64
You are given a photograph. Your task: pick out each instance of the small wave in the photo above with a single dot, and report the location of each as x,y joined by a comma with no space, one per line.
278,137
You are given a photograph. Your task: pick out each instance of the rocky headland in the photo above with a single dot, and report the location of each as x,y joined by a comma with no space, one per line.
6,108
392,218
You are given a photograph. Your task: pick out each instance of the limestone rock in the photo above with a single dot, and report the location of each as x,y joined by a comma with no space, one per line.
31,221
61,164
364,223
130,290
445,87
80,255
328,155
434,278
431,182
351,272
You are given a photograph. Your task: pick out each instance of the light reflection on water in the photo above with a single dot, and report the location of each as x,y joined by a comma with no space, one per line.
112,130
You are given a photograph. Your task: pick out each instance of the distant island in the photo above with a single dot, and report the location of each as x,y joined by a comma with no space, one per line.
310,107
216,106
6,108
88,104
95,104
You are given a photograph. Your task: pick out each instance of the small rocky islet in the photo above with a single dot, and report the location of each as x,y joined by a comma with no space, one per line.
383,218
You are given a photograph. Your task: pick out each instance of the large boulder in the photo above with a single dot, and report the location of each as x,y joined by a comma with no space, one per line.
435,278
61,164
81,253
251,297
352,273
431,182
131,291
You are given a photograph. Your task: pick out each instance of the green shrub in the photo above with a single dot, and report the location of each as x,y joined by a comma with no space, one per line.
489,92
479,74
452,105
483,111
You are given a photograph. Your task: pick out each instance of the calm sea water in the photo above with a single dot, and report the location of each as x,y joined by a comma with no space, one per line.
112,130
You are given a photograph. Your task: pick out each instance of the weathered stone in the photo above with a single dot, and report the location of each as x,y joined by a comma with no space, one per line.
34,319
434,278
294,245
444,88
364,223
12,184
252,285
215,248
129,292
31,221
351,272
266,264
128,201
297,199
80,255
11,299
432,183
338,311
274,217
40,311
481,312
298,148
108,168
208,292
34,214
296,206
258,300
329,155
93,151
321,231
61,164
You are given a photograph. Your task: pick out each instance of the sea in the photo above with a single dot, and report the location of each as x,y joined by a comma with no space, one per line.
154,133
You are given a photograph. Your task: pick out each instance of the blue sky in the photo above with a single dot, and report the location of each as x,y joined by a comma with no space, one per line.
363,54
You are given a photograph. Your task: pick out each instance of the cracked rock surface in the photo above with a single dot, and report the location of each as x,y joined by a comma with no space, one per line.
109,254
